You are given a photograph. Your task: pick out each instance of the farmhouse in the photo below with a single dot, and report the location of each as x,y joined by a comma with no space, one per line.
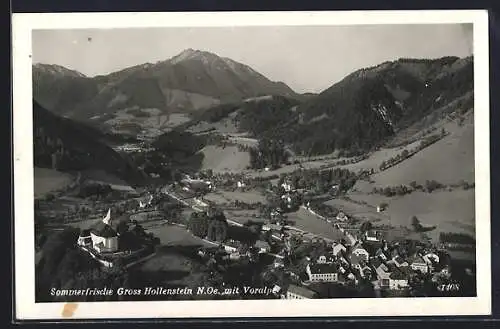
322,272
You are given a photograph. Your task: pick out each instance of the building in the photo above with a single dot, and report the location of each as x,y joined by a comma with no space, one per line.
419,264
357,261
104,236
85,239
431,258
338,248
398,281
262,246
381,254
341,216
361,252
372,236
297,292
322,272
287,186
381,270
399,261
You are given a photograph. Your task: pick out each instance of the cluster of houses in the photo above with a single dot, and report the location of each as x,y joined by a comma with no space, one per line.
386,267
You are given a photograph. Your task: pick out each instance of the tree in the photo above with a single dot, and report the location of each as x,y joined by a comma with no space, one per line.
366,226
415,223
198,224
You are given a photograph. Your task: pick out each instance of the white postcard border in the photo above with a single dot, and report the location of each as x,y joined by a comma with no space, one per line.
27,309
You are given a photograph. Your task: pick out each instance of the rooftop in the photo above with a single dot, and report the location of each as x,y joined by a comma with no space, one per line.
323,268
302,291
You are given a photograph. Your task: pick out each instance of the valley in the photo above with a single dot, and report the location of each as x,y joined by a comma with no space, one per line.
389,147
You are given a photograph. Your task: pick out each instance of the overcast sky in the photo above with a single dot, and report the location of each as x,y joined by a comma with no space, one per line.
307,58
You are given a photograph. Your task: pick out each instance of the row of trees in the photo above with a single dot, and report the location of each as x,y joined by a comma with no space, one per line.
405,154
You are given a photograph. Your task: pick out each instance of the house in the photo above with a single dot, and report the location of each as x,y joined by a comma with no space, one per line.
357,261
431,258
398,280
85,239
380,254
372,235
321,259
381,270
419,264
399,261
365,272
297,292
104,236
241,184
322,272
262,246
338,248
361,252
341,216
287,186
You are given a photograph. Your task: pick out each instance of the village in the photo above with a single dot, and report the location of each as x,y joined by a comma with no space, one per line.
345,257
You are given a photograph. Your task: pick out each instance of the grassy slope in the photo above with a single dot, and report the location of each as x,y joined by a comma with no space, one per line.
447,161
224,159
48,180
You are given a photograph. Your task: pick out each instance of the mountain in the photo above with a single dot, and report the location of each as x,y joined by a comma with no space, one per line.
187,82
360,112
71,146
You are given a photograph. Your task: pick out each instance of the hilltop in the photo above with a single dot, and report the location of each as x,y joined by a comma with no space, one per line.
144,96
71,146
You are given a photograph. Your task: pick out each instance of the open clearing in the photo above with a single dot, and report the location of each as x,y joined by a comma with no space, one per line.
49,180
228,159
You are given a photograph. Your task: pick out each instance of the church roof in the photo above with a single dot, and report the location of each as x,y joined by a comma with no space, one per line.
103,230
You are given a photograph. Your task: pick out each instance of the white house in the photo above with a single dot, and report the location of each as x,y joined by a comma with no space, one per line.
241,184
322,272
104,237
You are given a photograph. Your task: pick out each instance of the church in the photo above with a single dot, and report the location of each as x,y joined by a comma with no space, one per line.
103,235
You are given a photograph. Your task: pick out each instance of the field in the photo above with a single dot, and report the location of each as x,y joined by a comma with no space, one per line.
306,221
243,196
175,235
48,180
451,211
228,159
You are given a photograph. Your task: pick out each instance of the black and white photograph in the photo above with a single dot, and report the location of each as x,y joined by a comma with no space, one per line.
227,163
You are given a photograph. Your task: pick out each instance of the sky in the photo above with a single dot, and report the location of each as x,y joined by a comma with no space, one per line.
307,58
